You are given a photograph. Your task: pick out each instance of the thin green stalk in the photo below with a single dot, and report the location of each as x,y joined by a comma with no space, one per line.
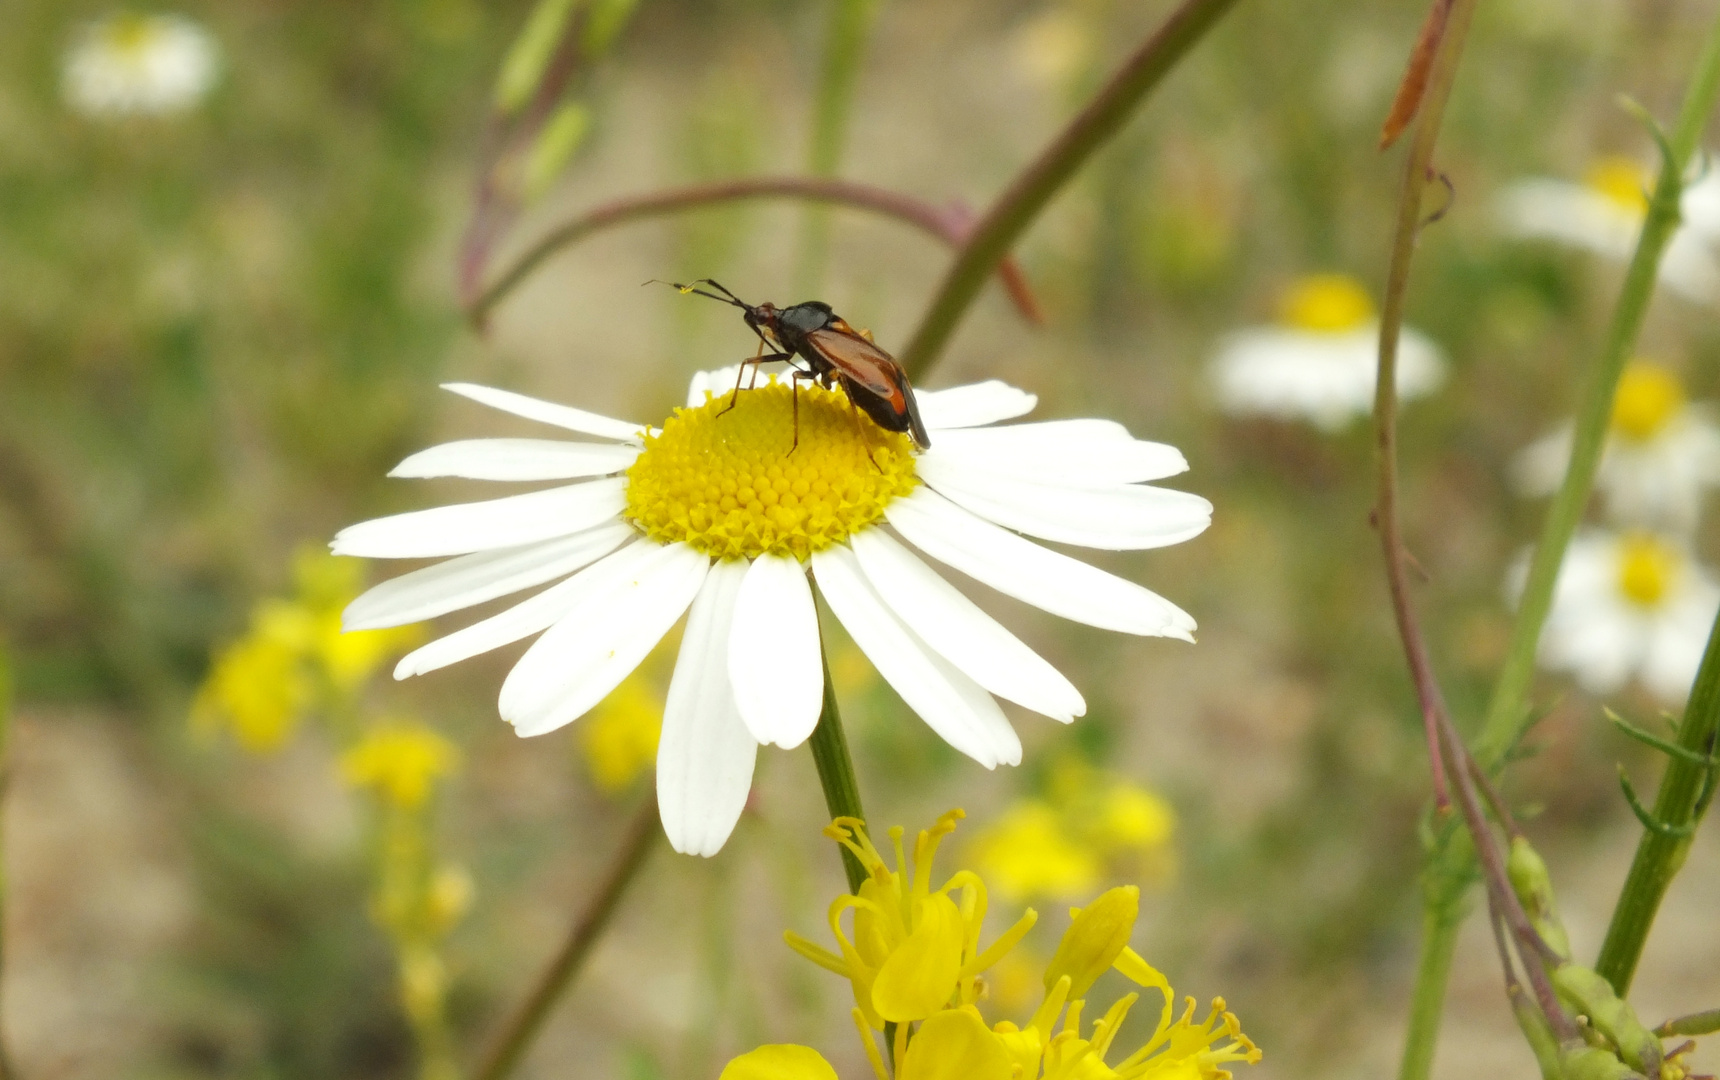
836,771
1683,798
523,1026
844,48
6,1070
1018,206
1509,704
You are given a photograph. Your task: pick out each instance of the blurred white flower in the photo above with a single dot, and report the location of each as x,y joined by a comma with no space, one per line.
1320,362
1604,214
1661,456
1627,604
130,64
723,514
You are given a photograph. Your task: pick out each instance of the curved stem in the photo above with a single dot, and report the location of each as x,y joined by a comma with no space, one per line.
950,226
1681,803
1033,188
523,1026
836,771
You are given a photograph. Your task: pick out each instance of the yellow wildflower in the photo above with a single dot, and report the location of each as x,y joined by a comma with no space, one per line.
913,951
620,735
1028,852
257,689
400,760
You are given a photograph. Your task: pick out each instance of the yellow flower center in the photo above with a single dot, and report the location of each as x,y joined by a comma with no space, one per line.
1646,567
133,36
1326,303
1648,396
1622,181
732,483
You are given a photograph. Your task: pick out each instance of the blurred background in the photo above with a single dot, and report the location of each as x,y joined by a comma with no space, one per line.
221,325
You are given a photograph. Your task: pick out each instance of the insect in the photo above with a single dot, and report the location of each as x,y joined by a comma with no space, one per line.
836,353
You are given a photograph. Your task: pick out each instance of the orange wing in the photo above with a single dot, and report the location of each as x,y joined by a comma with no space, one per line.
862,362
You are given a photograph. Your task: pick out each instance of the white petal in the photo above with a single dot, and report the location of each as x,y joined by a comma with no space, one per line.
473,579
1687,266
952,704
723,380
973,405
705,756
580,659
774,660
960,632
485,526
1120,518
517,459
1020,568
548,412
523,619
1072,453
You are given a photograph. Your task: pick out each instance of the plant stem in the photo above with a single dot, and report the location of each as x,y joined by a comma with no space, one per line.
1679,806
948,225
6,1070
1509,704
1015,209
523,1026
844,46
836,771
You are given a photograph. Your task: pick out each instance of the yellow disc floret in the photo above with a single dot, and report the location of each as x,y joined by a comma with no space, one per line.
1646,567
1326,303
732,484
1622,181
1648,396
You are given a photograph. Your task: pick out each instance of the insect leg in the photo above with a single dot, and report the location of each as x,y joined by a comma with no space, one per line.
740,375
795,380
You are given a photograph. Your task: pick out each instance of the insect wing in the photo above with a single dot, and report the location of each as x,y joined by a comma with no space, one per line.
887,396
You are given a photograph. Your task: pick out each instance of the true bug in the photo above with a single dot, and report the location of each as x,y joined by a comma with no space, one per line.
836,353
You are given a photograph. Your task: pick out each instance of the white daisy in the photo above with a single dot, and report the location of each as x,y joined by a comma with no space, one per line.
127,64
1321,362
1662,454
1628,604
718,513
1604,213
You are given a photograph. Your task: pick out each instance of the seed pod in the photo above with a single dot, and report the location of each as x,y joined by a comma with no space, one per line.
1585,992
1534,887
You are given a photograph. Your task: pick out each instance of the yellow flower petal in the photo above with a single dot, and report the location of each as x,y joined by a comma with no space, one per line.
779,1061
955,1044
1095,939
920,975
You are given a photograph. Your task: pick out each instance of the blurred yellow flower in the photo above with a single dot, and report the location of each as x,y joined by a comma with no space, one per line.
620,736
1089,822
293,656
952,1042
1326,303
401,760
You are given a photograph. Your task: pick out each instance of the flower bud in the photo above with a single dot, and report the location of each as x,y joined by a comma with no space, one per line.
1095,939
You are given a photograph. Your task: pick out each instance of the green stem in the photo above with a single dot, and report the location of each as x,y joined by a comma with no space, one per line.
836,771
1033,188
523,1026
1680,805
6,1070
1509,704
844,47
1427,1005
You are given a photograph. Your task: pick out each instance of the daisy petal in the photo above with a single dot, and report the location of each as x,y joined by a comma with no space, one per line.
973,405
516,459
1119,518
960,632
524,619
484,526
723,380
952,704
548,412
705,756
473,579
1069,453
1032,574
580,659
774,661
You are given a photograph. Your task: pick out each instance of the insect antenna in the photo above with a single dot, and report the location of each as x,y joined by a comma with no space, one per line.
727,298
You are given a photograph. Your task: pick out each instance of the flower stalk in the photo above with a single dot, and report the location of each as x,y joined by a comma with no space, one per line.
844,48
523,1026
836,770
1685,790
1021,203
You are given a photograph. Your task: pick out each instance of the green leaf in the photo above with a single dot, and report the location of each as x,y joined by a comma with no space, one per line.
556,143
523,68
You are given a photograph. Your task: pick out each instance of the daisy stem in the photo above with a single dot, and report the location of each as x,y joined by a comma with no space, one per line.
836,771
1685,790
1014,210
523,1026
844,47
